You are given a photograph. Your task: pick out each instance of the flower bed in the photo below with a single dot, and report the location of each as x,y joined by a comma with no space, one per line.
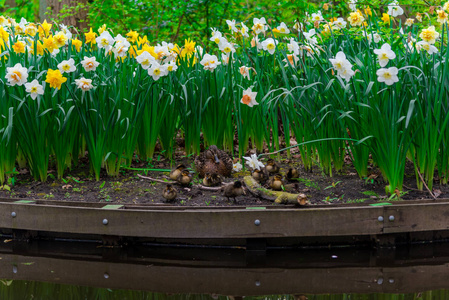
367,87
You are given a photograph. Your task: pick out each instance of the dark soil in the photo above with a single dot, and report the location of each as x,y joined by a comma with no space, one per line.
79,185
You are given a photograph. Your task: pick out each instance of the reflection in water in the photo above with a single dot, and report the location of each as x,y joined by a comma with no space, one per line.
18,290
67,270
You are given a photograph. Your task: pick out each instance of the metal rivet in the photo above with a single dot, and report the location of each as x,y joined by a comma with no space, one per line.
380,280
13,214
391,280
106,275
380,219
257,222
105,221
14,269
257,283
391,218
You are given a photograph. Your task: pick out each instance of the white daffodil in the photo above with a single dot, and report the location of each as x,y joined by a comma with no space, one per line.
90,63
353,5
17,75
340,23
145,60
225,59
340,63
210,62
283,28
216,37
66,31
249,97
237,167
244,30
157,71
317,17
171,66
105,41
394,9
429,35
259,25
84,84
293,46
291,60
67,66
431,49
244,71
409,22
389,76
226,47
269,45
309,36
372,36
253,162
34,89
231,25
384,54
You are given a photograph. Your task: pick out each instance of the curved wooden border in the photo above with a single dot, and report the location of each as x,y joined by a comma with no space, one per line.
169,222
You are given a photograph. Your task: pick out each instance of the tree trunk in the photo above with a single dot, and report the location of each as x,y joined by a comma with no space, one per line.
77,11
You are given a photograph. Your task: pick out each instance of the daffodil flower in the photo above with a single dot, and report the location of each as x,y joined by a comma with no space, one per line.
237,167
17,75
389,76
269,45
84,84
394,9
34,89
249,97
90,63
157,71
384,54
253,162
67,66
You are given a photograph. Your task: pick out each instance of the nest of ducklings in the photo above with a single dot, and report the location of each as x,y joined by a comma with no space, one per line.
214,165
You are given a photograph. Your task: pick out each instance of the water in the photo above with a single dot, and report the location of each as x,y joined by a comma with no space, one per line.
68,270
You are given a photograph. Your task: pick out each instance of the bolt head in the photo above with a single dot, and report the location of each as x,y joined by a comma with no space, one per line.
13,214
391,218
106,275
257,222
380,280
257,283
380,219
105,221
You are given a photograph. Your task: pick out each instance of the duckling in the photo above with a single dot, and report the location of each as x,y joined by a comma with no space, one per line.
272,166
212,179
259,175
169,193
175,172
233,190
292,174
185,177
213,161
275,183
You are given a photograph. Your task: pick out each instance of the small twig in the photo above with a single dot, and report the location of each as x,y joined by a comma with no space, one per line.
209,188
413,189
156,180
422,179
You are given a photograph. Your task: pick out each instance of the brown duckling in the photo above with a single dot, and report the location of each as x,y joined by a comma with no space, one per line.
233,190
292,174
175,172
214,161
272,166
212,179
275,183
169,193
185,177
259,175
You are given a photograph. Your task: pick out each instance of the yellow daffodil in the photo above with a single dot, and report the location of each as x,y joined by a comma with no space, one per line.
368,11
19,47
4,35
60,39
142,41
90,37
132,51
442,16
356,18
326,6
55,79
50,44
429,35
419,17
149,49
102,29
39,48
132,36
31,30
44,29
77,44
385,18
188,49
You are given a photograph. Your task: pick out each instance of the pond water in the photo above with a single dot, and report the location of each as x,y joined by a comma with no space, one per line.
89,270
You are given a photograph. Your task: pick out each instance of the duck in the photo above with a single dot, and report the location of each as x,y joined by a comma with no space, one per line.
233,190
175,172
272,166
275,183
292,174
259,175
214,161
169,193
185,177
212,179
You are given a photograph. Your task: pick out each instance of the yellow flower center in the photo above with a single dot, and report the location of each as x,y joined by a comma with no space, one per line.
227,49
387,75
66,67
156,72
34,89
246,99
90,64
217,40
16,76
270,46
170,68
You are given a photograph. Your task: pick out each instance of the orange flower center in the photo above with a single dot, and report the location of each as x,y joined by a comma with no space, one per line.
246,99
